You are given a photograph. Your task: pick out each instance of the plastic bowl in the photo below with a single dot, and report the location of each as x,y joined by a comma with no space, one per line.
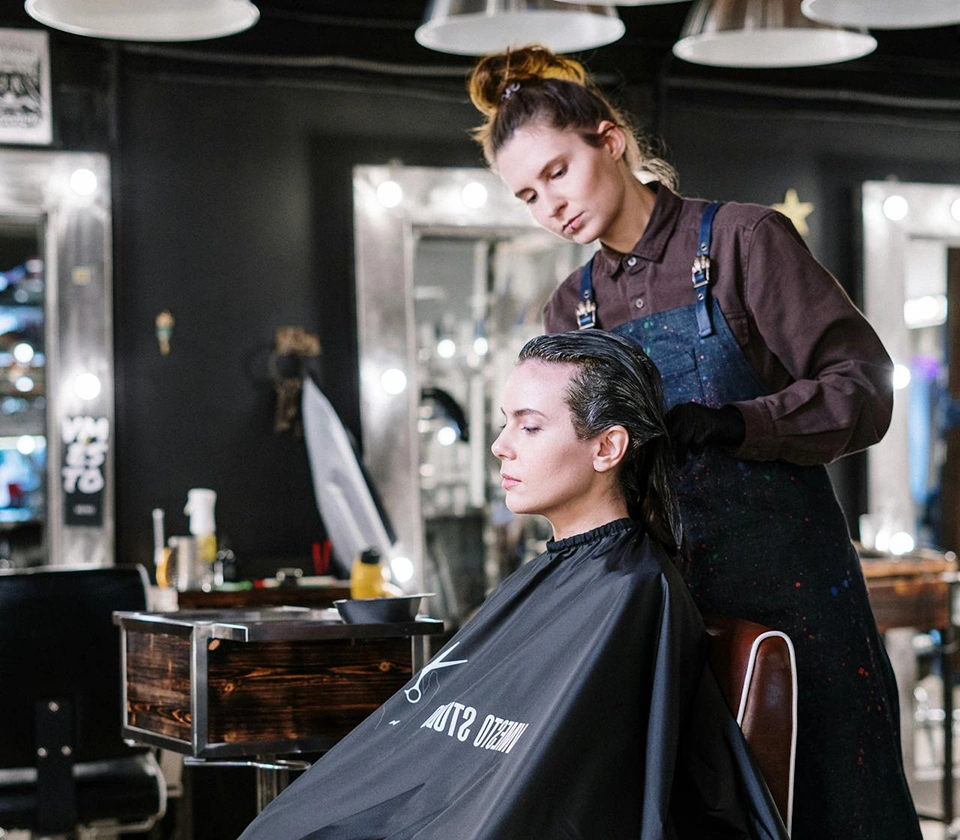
381,610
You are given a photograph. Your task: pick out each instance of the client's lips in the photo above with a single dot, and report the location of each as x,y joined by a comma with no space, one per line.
508,481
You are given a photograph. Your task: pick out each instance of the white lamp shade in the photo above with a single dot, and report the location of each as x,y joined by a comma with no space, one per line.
146,20
630,2
764,33
884,14
478,27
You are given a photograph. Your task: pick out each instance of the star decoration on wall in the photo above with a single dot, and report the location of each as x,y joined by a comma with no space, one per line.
795,210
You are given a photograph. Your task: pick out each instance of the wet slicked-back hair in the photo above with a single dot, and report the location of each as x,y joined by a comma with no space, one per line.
616,384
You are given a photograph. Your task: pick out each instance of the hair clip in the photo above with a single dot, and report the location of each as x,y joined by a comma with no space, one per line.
509,91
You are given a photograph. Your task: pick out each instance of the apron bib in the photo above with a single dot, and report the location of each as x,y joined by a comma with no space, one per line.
768,542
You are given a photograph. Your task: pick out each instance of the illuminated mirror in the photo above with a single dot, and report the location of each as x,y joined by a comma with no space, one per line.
56,360
452,275
911,295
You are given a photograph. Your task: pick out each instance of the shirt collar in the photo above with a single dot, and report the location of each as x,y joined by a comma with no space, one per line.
663,219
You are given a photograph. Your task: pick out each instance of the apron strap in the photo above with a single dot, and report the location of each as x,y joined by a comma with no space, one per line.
586,306
701,270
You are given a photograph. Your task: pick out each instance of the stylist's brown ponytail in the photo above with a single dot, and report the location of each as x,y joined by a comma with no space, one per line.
518,87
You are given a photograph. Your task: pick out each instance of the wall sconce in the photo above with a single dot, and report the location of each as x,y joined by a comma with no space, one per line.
478,27
146,20
764,33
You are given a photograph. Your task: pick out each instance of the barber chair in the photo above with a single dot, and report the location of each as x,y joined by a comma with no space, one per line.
64,768
756,670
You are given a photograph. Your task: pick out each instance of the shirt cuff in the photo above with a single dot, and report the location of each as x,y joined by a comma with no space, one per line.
759,441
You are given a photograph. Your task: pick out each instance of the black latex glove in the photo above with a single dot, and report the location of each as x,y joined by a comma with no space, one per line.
693,427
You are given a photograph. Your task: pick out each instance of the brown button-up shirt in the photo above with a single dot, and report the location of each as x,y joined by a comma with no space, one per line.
829,378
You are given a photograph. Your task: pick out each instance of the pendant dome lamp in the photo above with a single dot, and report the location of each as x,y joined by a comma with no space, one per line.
146,20
764,34
478,27
631,2
884,14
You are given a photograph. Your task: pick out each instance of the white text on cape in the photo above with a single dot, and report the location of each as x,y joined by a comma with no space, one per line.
456,720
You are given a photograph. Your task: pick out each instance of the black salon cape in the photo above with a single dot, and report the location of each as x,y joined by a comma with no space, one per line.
575,705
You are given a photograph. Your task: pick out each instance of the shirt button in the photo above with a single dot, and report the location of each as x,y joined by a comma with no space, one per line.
631,261
639,303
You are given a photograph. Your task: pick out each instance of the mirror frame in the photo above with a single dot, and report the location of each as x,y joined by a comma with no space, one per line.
385,240
78,267
885,243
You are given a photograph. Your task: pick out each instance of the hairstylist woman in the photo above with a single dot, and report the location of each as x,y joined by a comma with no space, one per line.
769,372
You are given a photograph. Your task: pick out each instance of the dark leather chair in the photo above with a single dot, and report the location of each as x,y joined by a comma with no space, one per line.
63,764
757,673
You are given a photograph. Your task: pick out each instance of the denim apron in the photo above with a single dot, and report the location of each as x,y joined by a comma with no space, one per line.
768,542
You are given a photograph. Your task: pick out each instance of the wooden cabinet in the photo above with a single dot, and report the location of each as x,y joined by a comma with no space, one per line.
259,682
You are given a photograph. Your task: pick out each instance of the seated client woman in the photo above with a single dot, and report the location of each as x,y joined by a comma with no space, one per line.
576,703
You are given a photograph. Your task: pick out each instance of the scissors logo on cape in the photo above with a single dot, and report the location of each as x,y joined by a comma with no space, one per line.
414,694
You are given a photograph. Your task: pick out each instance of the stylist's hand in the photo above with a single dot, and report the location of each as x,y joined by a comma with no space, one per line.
692,427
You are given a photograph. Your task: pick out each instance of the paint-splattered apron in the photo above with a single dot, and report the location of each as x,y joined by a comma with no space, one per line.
768,542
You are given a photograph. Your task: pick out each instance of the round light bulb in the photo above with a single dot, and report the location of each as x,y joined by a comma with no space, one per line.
402,568
901,377
83,182
481,346
23,384
446,348
447,436
901,542
86,386
389,194
895,208
474,195
23,353
393,381
26,445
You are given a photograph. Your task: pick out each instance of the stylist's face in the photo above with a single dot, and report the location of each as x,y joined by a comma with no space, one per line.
573,189
544,467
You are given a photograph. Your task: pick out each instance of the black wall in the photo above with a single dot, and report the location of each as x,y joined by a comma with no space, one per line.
236,215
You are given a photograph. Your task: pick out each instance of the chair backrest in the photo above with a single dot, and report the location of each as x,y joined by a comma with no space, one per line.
757,673
58,640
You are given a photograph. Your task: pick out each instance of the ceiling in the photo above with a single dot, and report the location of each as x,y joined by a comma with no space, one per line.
376,37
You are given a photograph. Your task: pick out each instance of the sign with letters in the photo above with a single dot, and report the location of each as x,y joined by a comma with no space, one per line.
86,442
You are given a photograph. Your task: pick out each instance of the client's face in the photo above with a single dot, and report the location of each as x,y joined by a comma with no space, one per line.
544,467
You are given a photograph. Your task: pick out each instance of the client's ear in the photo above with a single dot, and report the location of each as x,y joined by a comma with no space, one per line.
611,447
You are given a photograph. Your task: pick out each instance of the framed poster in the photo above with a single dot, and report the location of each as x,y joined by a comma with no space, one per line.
25,115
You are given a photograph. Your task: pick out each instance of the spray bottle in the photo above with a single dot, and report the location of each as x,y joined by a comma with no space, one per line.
199,508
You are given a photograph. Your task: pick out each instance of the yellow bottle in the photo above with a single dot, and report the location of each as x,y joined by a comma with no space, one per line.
366,575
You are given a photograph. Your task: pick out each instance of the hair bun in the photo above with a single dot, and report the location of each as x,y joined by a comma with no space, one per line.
495,72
